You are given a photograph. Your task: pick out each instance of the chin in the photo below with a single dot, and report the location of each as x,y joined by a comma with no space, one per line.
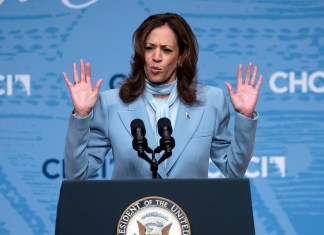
158,80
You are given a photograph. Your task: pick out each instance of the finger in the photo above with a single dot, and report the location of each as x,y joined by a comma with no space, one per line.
82,71
67,80
88,73
97,85
248,73
239,75
255,70
229,88
75,73
258,85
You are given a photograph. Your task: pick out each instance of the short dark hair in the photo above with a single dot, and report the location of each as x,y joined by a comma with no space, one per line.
134,85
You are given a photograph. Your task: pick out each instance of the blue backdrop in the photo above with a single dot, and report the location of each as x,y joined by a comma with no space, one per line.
285,38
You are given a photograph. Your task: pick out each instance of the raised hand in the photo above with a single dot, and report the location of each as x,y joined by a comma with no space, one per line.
84,96
245,98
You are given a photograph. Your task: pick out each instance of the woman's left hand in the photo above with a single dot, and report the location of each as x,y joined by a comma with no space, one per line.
245,98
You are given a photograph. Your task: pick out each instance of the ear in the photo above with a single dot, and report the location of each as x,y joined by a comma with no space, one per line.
179,64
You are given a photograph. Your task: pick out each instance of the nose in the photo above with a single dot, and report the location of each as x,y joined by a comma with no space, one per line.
157,56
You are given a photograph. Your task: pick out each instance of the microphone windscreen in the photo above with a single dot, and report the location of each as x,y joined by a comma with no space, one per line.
164,123
135,124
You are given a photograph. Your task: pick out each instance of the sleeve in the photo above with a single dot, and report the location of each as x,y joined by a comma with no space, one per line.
86,143
232,152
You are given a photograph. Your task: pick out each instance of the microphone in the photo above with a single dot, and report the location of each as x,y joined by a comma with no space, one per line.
167,141
139,142
138,132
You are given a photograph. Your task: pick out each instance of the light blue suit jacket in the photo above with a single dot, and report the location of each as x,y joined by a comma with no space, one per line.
200,134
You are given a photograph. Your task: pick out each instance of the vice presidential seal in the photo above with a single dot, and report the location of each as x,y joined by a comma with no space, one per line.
154,216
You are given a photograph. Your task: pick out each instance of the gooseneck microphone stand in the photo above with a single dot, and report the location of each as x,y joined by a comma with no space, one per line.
152,161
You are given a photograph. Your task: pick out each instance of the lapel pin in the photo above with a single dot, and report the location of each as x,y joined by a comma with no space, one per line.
187,116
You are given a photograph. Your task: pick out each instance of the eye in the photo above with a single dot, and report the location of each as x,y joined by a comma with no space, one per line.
167,50
148,48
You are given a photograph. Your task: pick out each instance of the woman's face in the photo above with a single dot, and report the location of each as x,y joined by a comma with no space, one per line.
161,55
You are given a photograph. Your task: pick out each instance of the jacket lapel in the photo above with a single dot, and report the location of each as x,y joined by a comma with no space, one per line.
188,119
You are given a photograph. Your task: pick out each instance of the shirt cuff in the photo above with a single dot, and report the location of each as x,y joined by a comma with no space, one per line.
77,116
255,115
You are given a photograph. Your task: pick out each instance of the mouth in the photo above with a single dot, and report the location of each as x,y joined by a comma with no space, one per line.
155,69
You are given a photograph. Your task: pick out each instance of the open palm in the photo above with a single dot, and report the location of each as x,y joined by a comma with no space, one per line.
245,98
84,95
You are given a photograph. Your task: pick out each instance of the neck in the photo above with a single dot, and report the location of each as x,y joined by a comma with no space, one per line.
161,96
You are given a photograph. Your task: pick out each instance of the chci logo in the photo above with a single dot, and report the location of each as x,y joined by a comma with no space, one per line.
153,216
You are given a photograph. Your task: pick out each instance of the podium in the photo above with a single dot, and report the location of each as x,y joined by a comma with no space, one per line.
211,206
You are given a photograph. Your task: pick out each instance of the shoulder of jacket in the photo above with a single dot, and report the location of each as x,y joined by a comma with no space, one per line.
110,96
208,91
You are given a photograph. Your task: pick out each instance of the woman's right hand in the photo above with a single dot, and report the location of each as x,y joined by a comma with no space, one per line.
84,96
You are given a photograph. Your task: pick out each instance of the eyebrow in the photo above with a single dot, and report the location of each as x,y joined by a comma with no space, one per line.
153,44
